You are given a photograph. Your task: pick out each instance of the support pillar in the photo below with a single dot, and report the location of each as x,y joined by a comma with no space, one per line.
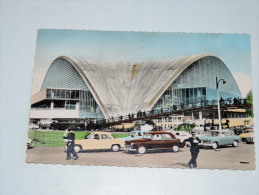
200,115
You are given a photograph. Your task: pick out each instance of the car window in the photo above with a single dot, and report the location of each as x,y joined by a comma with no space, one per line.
96,136
228,134
215,133
148,136
103,136
139,134
166,137
156,137
91,136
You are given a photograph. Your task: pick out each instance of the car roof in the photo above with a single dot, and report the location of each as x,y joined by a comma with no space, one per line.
140,131
160,132
223,130
101,132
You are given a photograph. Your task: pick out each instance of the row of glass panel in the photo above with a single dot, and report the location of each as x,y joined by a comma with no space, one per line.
62,94
190,96
67,104
88,105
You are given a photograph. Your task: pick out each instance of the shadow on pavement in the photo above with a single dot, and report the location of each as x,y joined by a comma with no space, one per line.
182,164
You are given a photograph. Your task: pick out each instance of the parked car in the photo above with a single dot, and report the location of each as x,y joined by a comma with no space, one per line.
29,144
216,138
250,139
246,133
156,140
135,135
99,141
239,130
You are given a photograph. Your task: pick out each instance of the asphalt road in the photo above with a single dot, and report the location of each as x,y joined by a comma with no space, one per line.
239,158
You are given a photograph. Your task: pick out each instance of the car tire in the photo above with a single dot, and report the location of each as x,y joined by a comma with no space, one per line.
77,148
142,150
215,145
175,148
115,148
235,143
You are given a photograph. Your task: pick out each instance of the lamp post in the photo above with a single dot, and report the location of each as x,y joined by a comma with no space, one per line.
217,86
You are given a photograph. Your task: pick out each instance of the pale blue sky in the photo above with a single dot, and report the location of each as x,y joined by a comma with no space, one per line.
233,49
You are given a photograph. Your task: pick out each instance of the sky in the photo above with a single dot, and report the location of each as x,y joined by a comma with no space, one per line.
233,49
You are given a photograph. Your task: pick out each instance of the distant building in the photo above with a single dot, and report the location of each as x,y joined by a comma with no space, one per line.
76,88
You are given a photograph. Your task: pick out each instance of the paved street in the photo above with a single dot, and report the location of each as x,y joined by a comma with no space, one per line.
241,158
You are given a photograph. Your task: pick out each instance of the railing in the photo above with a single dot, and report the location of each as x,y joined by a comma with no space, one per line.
41,108
176,109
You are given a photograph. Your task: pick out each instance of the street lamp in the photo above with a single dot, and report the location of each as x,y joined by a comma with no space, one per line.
217,86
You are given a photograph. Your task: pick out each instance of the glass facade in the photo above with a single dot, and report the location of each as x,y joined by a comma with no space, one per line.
197,84
63,94
65,87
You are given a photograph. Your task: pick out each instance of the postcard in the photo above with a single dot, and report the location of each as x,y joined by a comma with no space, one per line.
142,99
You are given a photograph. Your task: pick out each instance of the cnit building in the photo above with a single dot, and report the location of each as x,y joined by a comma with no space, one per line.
76,88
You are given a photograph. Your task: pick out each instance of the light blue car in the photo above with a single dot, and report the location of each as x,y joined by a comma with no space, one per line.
136,135
216,138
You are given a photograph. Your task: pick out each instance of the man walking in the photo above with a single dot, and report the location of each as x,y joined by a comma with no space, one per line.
195,148
70,145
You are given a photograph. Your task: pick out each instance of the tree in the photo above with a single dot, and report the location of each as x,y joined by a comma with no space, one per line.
249,101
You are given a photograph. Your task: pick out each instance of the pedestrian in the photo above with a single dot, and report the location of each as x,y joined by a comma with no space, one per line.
194,149
70,145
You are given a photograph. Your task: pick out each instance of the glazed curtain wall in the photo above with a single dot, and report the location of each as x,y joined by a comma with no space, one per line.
62,74
198,82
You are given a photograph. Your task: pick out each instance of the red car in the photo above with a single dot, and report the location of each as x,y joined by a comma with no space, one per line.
158,140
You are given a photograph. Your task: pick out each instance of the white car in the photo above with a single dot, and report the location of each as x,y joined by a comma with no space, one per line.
182,136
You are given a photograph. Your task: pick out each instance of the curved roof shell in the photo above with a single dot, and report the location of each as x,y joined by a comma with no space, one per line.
120,88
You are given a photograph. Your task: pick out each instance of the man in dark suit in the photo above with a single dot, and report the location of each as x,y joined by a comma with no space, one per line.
194,149
70,145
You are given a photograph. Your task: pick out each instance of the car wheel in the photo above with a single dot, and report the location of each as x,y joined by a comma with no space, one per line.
141,149
115,148
175,148
215,145
235,144
77,148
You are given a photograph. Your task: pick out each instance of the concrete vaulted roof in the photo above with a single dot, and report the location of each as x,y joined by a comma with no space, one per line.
121,88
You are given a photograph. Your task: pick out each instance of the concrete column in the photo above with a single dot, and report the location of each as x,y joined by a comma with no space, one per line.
52,105
200,115
77,105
